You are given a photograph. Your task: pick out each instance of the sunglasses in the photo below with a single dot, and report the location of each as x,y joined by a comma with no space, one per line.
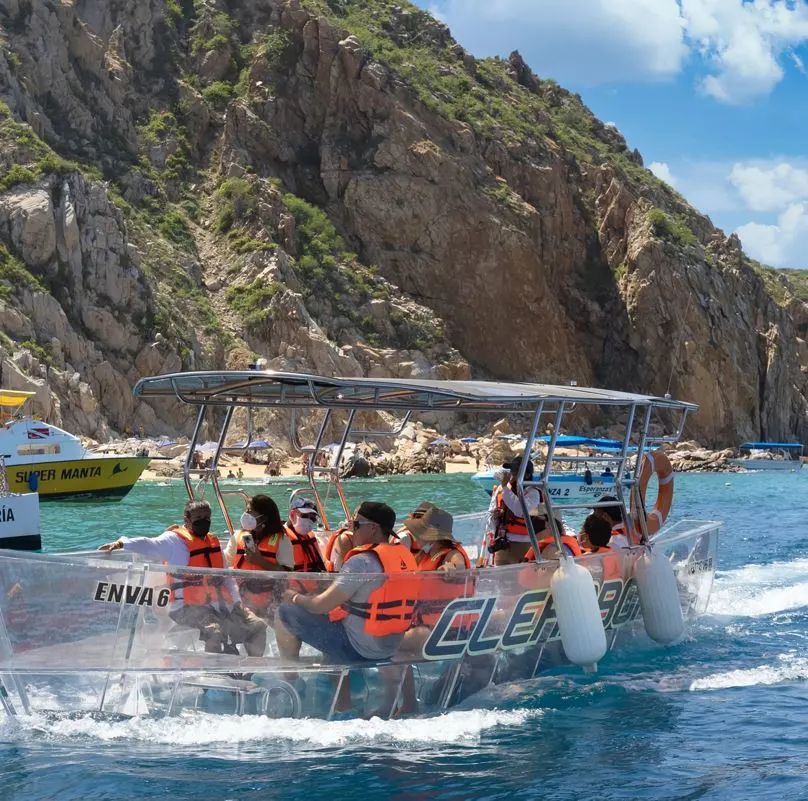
355,524
311,516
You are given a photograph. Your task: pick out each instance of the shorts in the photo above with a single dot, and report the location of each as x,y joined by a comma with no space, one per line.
239,624
328,636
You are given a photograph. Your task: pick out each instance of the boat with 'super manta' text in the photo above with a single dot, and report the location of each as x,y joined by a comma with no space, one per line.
91,632
44,458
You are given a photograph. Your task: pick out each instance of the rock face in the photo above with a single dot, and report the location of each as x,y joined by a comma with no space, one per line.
275,184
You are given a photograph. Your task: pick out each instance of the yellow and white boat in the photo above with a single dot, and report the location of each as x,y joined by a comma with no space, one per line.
43,458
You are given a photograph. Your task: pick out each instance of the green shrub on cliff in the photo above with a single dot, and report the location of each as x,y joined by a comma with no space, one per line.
671,229
251,302
235,201
14,274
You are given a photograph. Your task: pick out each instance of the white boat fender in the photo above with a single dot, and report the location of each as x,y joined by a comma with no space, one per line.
659,597
580,625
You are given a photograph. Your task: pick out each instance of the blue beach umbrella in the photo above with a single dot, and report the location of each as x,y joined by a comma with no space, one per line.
259,444
469,439
439,442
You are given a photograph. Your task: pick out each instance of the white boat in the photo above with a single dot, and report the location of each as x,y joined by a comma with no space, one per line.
19,517
770,456
91,633
48,460
584,475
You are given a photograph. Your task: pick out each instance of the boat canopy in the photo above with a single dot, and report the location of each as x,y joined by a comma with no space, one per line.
301,390
12,398
571,441
788,446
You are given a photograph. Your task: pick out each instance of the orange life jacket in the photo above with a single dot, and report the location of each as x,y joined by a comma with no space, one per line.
202,552
512,523
328,553
305,551
389,609
611,564
571,543
437,591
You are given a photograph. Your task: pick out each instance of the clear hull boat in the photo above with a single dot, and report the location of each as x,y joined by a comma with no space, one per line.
93,632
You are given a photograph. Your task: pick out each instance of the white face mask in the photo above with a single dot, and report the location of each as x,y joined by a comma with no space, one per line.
248,522
303,525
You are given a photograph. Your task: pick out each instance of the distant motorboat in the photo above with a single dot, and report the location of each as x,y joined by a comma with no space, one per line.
43,458
579,483
770,456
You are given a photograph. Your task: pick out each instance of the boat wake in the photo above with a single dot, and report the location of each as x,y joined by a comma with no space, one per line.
201,729
789,668
759,590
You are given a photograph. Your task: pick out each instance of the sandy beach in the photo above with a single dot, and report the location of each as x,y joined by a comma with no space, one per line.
455,464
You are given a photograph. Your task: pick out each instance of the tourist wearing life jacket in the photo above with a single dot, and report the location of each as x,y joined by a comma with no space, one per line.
443,566
277,546
299,531
205,602
357,618
614,514
445,561
544,535
595,536
258,545
507,530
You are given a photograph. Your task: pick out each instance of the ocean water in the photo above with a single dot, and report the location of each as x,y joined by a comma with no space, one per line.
721,715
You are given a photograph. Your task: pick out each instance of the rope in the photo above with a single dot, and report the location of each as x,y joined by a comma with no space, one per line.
4,488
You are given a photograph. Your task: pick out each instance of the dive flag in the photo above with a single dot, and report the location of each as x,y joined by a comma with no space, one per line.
38,433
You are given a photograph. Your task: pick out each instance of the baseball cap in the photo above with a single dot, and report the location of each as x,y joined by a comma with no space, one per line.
303,505
379,513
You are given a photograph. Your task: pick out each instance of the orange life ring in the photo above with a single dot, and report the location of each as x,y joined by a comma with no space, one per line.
656,462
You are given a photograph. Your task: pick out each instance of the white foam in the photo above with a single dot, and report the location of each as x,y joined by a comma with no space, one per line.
757,590
198,729
790,669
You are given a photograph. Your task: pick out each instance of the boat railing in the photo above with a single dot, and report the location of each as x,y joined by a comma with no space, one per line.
104,616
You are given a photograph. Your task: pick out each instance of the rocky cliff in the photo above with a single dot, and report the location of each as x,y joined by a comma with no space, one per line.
339,187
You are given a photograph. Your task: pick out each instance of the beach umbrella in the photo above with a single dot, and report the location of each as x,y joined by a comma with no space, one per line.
237,446
207,447
469,439
165,443
259,444
439,442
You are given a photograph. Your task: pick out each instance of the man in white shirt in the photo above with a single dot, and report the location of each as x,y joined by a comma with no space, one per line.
210,604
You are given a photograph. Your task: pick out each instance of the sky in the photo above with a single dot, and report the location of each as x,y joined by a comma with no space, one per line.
713,93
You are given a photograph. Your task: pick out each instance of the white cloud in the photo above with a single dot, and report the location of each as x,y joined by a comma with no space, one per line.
744,43
769,187
663,172
782,244
764,201
743,46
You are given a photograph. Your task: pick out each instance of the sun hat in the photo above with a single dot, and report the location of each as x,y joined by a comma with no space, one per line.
429,523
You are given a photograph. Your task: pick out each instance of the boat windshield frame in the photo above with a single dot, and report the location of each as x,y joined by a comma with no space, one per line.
231,389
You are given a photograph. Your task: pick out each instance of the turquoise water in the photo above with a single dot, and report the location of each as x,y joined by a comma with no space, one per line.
719,716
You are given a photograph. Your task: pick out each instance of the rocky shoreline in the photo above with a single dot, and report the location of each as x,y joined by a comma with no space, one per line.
418,449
